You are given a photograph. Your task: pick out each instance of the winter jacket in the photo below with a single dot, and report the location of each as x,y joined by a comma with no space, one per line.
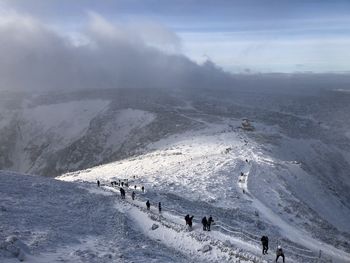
279,252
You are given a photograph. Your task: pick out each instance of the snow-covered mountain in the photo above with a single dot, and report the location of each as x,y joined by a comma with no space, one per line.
48,135
189,149
199,172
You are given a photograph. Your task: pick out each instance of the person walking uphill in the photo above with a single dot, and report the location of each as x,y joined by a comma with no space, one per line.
148,205
190,221
265,244
122,193
210,220
204,223
187,218
279,253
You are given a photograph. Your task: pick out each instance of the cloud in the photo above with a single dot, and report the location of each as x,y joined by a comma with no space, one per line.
34,56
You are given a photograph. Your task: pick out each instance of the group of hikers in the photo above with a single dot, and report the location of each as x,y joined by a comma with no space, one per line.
122,184
265,245
148,206
189,219
207,223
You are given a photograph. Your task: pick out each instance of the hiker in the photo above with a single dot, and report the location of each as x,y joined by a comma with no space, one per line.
135,187
265,244
187,218
279,253
159,207
122,193
98,183
122,184
133,195
143,189
112,183
210,220
190,221
204,223
148,205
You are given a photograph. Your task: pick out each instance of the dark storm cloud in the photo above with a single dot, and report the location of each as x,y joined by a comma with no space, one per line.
103,55
262,35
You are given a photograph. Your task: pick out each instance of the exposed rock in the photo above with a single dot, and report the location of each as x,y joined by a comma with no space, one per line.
206,248
154,226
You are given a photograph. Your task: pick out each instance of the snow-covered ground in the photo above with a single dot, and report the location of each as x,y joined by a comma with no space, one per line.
214,171
46,220
199,172
287,178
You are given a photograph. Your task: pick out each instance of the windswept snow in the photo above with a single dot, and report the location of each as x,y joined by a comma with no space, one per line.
55,221
286,178
199,172
45,220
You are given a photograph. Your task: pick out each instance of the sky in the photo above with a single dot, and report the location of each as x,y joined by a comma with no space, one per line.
237,35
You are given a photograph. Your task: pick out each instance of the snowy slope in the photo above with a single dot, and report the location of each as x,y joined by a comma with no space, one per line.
55,221
196,172
46,220
189,151
49,138
54,126
199,172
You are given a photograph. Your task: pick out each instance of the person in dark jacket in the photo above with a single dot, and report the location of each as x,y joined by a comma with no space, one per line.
148,205
98,183
279,253
265,244
210,220
143,189
133,195
204,223
187,218
190,221
122,193
159,207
